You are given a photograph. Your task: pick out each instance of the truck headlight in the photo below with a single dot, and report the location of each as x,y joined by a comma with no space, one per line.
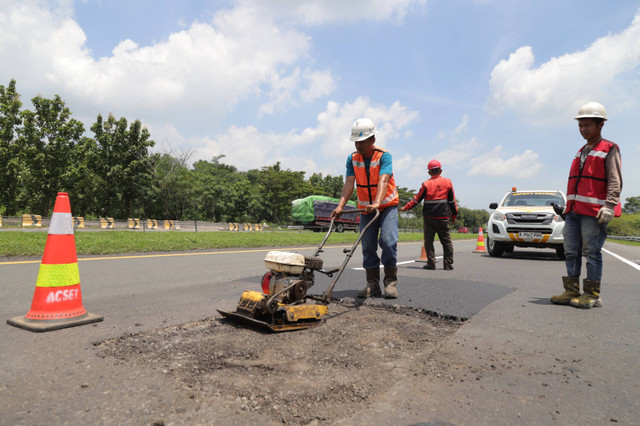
498,216
558,218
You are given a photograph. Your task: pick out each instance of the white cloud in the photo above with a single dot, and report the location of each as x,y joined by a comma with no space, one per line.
454,157
493,164
207,68
281,93
321,83
555,90
321,148
284,89
464,125
315,12
458,155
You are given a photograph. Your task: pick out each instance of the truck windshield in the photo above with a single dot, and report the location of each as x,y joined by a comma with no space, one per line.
537,199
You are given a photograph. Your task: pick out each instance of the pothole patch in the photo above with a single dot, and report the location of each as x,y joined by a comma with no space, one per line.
319,374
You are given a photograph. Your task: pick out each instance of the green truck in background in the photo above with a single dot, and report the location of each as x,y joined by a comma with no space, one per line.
314,212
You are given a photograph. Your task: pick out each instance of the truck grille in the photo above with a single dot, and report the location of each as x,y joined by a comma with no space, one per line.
529,218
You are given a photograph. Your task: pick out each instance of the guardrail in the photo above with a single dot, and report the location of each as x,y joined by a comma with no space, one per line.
616,237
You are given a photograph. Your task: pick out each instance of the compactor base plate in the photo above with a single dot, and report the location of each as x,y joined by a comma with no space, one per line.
287,317
240,318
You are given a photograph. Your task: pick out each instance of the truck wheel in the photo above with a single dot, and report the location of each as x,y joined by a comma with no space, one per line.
560,252
340,228
357,229
494,248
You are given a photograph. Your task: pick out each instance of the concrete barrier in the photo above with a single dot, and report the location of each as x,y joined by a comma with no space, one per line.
32,220
107,223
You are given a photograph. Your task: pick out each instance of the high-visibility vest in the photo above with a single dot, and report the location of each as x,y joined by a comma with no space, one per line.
439,200
367,181
587,185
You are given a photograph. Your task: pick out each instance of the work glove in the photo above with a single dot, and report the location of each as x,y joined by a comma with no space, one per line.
604,215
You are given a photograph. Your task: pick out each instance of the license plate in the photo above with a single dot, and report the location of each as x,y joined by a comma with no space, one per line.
530,235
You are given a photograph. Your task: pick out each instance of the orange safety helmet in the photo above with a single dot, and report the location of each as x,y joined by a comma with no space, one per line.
434,164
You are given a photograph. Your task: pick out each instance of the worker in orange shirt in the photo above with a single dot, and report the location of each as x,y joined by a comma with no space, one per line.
438,210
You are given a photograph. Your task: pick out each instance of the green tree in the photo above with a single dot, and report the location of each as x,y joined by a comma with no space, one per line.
83,192
47,140
331,186
10,160
631,205
169,191
472,218
220,191
123,167
411,219
278,188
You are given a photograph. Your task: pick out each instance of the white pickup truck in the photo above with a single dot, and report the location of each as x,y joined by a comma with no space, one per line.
526,219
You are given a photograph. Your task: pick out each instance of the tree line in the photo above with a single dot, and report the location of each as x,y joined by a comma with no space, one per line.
110,171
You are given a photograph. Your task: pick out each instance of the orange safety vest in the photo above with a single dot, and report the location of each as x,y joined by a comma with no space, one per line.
367,181
587,185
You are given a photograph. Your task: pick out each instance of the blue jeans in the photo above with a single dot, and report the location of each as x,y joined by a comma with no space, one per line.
387,228
584,236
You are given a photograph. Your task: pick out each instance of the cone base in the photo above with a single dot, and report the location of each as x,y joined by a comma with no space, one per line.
48,325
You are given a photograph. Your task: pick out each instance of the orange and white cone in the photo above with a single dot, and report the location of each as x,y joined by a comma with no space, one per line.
480,243
423,255
57,301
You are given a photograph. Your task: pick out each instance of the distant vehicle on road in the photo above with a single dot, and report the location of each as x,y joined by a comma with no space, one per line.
314,212
463,230
526,219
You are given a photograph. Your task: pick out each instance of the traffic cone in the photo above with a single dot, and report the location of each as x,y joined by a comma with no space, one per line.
480,244
423,255
57,301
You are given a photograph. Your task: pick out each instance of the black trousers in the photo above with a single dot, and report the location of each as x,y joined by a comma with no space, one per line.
432,227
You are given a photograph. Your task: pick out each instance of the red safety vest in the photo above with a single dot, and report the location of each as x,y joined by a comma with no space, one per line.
367,181
587,186
438,198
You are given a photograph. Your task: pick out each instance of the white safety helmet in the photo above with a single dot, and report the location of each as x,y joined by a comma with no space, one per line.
592,110
362,129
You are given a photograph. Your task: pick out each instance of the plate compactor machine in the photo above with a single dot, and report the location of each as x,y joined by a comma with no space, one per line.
283,304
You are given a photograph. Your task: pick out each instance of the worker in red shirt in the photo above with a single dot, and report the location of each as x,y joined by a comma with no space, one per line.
438,210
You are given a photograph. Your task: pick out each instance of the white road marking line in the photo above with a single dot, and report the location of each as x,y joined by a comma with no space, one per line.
628,262
399,263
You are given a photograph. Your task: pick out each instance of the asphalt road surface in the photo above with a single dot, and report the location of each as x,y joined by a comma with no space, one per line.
559,364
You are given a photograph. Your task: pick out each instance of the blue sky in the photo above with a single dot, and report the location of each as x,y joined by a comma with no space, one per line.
489,88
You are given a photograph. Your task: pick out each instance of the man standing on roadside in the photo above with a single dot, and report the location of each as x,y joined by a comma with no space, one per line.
438,210
593,199
370,169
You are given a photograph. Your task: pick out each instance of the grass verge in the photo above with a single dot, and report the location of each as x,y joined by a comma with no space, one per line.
26,244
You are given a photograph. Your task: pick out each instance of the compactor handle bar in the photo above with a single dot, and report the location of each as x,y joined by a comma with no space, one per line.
326,297
319,250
